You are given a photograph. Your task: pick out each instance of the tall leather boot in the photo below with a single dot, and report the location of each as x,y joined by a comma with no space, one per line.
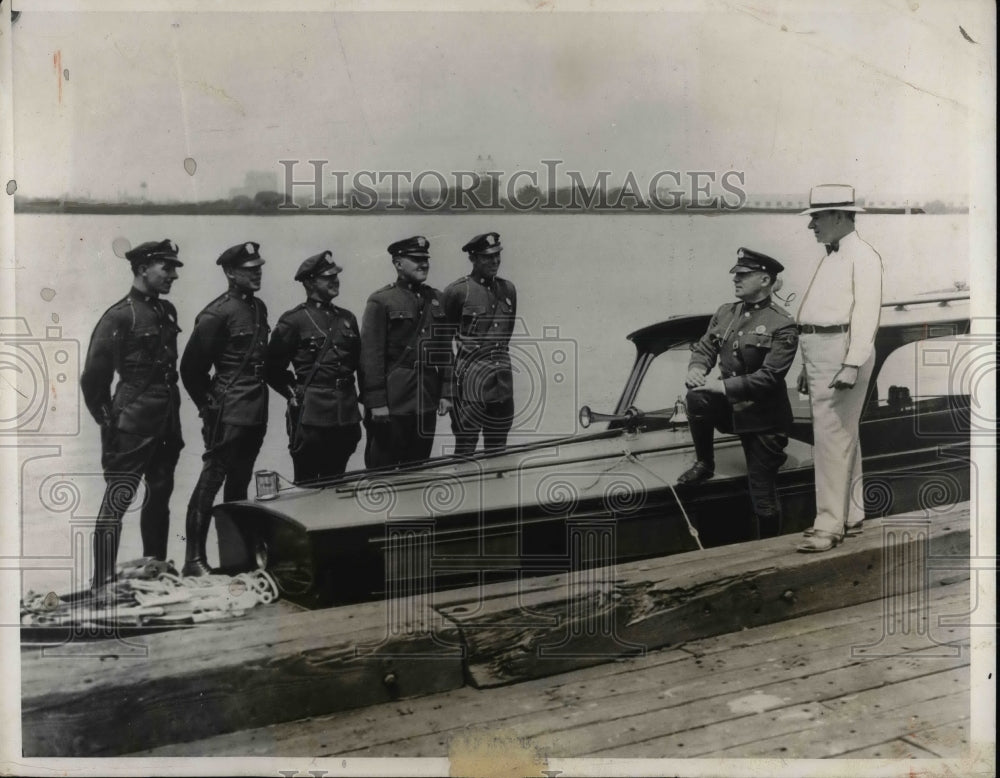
770,526
195,556
105,551
703,437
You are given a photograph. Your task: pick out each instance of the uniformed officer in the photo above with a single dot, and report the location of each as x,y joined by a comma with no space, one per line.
482,307
140,426
754,342
323,345
223,371
406,360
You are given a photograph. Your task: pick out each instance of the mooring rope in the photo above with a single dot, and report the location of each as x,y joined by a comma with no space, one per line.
164,599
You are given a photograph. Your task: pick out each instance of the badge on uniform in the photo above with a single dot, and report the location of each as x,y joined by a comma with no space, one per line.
760,329
508,301
434,302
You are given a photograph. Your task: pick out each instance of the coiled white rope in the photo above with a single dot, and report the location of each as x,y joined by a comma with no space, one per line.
165,599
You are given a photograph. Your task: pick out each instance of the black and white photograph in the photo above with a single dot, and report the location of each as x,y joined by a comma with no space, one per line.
498,389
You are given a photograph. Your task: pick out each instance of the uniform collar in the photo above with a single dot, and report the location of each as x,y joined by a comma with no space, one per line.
759,305
135,294
415,288
246,297
489,283
320,305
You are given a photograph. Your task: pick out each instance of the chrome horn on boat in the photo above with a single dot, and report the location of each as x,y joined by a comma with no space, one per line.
631,417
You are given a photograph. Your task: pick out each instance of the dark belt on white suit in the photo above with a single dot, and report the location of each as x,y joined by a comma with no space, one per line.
814,329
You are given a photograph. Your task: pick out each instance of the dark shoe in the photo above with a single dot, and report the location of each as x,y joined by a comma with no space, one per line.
195,568
696,474
819,541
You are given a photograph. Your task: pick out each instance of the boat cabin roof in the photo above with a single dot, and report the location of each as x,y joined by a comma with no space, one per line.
901,322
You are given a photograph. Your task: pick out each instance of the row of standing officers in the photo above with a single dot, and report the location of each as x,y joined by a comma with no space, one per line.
418,354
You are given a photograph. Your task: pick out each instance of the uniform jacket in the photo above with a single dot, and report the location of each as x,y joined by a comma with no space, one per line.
406,358
754,344
484,315
311,331
223,334
137,338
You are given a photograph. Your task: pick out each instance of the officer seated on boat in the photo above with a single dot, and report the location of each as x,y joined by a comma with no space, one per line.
754,342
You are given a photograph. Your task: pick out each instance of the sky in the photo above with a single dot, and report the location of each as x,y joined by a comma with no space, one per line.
888,96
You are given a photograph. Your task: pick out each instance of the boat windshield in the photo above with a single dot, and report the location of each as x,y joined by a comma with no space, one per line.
663,384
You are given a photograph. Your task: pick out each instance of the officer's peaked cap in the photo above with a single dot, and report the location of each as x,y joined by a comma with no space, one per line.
242,255
318,265
748,260
154,251
487,243
417,247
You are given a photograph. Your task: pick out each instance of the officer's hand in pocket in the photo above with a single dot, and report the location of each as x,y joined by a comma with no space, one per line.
802,384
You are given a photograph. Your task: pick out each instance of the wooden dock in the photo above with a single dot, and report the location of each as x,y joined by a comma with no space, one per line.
833,684
648,636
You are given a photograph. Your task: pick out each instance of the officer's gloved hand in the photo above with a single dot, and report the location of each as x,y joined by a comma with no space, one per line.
802,384
695,377
381,413
444,406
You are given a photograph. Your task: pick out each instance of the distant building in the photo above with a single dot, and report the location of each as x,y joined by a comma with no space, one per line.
256,181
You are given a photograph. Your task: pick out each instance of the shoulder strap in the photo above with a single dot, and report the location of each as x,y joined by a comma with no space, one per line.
327,342
250,348
161,348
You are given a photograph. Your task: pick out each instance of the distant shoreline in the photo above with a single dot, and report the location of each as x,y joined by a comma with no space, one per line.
71,207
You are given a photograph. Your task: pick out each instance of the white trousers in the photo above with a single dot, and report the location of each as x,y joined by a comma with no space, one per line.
836,414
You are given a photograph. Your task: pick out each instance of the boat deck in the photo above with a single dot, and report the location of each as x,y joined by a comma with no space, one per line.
832,684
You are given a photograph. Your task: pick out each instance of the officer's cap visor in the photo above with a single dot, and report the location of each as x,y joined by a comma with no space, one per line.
255,262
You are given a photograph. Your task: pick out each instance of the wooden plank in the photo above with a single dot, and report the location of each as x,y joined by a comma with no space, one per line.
836,738
585,695
610,613
899,748
653,715
792,729
230,677
385,723
947,740
670,705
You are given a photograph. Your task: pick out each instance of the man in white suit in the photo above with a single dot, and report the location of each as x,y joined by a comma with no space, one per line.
837,321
